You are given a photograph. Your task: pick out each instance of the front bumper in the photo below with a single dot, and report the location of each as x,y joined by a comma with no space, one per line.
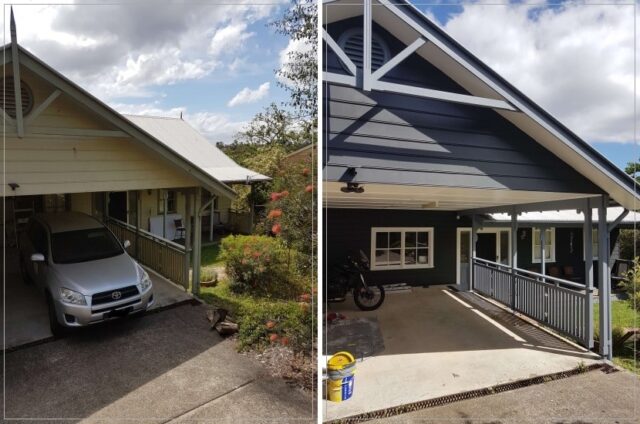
83,315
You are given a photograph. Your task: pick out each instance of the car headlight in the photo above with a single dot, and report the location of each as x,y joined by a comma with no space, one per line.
72,297
145,282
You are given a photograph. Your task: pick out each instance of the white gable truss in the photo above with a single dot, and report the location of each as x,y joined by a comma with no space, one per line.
421,36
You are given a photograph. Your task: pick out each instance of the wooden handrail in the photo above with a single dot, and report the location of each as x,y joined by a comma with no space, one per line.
149,235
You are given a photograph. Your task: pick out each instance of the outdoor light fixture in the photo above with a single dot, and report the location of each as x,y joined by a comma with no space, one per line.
352,188
351,172
14,186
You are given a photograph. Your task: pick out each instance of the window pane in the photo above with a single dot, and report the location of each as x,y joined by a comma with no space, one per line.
410,256
423,256
382,240
423,239
382,257
395,239
410,240
394,257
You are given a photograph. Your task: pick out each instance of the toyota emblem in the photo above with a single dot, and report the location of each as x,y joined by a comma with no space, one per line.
116,295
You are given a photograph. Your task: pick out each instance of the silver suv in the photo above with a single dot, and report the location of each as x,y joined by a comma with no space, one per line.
84,271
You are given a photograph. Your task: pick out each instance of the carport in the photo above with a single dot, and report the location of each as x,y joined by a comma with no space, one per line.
65,150
437,342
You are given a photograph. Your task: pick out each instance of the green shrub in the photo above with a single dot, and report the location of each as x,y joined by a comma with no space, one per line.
260,319
631,285
208,274
260,266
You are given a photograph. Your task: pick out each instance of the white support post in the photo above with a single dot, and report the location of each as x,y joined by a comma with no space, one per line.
474,241
138,220
188,199
366,45
211,212
165,198
588,272
604,279
542,251
514,256
197,242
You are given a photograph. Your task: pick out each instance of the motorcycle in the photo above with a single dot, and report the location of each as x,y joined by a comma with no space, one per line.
349,278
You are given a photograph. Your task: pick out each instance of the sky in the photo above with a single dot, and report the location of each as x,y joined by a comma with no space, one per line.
214,63
576,60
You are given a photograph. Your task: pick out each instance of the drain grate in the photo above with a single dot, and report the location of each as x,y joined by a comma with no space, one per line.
444,400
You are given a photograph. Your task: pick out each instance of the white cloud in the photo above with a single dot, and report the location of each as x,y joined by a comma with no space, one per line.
113,52
229,39
214,126
575,60
247,95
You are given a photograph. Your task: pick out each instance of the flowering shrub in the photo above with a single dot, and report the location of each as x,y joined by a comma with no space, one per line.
259,265
291,213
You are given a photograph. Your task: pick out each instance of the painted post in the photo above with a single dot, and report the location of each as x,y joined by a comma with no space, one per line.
188,198
604,279
197,242
165,196
367,33
588,273
542,251
514,256
211,212
138,208
474,240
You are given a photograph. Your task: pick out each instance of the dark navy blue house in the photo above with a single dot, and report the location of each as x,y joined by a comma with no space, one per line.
432,160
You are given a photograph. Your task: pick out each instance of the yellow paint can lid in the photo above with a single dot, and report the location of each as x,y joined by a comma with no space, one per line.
340,360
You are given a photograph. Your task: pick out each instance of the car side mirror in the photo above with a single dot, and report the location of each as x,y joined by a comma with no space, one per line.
126,244
37,257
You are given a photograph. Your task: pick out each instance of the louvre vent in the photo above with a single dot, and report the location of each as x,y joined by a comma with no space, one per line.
8,101
351,44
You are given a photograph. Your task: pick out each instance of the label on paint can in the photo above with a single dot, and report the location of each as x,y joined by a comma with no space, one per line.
347,387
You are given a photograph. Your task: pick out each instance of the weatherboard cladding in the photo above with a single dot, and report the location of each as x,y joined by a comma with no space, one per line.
402,139
349,230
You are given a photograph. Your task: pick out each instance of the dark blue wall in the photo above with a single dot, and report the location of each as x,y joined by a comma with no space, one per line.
402,139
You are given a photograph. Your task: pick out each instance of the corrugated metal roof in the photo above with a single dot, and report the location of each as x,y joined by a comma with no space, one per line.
182,138
566,216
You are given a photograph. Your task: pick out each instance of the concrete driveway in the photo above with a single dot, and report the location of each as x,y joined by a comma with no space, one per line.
438,342
595,397
162,367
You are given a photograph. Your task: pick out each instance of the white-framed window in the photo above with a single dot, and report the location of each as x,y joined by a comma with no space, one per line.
549,248
594,245
401,248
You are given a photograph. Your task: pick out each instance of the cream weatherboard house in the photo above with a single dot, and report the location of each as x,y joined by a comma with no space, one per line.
64,149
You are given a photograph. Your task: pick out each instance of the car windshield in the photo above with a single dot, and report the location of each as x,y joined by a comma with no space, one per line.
84,245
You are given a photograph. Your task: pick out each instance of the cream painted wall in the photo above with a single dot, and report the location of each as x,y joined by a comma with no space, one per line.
44,162
81,202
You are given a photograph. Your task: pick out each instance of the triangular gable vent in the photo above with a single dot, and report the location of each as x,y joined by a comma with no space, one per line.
8,100
352,44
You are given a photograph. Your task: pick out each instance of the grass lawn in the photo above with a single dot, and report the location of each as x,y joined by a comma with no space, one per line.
622,315
211,255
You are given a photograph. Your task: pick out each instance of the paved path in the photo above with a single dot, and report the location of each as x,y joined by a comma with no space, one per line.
162,367
591,398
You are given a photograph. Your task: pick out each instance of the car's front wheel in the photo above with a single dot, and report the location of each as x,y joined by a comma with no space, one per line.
57,329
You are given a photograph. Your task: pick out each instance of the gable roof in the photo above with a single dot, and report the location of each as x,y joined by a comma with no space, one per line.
479,79
101,109
181,137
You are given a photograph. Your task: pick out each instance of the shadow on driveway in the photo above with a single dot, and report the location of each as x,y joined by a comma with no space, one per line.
155,368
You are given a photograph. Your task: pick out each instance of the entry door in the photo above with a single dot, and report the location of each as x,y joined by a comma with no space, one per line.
464,257
118,205
487,246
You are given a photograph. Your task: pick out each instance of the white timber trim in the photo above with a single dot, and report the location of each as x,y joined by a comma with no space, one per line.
397,59
337,50
441,95
16,77
339,79
402,231
42,107
367,34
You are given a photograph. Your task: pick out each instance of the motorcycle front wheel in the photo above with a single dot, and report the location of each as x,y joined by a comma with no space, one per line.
369,298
